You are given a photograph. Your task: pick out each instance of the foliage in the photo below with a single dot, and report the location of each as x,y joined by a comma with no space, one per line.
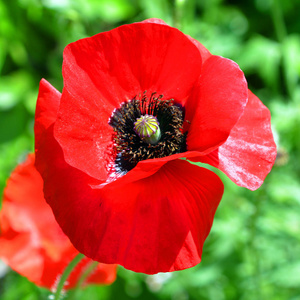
253,250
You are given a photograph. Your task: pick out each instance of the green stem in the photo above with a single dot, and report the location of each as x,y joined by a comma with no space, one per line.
88,270
281,34
254,251
278,21
178,13
91,267
65,275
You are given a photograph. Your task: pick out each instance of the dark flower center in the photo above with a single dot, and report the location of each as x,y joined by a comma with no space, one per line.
146,128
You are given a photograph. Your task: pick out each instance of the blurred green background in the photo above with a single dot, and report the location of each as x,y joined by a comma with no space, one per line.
254,247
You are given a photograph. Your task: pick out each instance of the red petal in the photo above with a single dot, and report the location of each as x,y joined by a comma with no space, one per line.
162,221
222,97
46,112
48,106
31,241
103,71
152,225
250,151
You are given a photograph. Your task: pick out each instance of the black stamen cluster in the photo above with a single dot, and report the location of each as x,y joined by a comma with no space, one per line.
129,148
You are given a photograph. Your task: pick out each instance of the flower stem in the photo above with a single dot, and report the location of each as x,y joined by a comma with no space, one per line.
91,267
278,21
281,34
178,13
88,270
65,275
254,248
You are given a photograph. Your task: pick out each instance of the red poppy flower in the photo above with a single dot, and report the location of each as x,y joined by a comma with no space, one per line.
32,242
135,100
